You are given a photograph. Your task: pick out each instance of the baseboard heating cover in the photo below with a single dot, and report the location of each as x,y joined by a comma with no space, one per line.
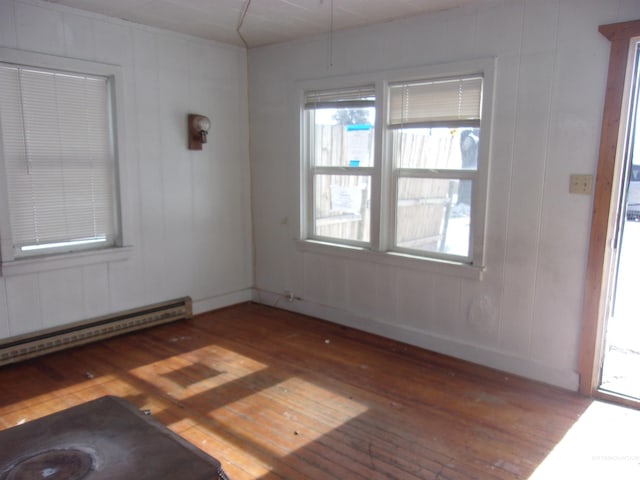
38,343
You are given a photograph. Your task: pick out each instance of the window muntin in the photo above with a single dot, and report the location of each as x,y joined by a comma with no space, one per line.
57,144
340,138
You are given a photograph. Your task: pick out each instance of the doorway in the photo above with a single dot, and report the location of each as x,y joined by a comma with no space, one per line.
621,356
610,335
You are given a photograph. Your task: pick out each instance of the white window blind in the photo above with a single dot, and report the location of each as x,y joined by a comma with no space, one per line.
445,102
355,97
59,165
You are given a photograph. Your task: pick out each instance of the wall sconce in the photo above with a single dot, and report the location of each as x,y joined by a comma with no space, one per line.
198,129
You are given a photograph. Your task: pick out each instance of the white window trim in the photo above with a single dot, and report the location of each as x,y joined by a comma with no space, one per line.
123,249
307,173
382,215
392,259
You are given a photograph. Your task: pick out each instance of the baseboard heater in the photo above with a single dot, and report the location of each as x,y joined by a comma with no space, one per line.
38,343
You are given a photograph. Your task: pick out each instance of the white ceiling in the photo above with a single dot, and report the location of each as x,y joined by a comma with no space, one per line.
263,21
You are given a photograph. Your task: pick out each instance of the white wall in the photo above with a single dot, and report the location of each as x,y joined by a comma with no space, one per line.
524,315
189,212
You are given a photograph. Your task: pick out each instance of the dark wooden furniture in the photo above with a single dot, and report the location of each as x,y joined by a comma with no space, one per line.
104,439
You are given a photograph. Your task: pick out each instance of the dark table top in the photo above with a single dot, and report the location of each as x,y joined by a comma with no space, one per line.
107,438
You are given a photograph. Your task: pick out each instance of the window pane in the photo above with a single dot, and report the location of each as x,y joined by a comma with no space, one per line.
441,148
433,215
56,137
343,136
342,207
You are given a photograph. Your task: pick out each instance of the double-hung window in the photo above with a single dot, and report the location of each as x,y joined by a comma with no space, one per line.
435,130
341,132
417,189
57,139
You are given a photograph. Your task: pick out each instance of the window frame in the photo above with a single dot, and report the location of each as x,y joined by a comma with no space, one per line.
399,172
47,260
313,171
382,235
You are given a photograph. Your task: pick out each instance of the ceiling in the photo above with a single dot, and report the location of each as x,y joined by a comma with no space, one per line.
261,22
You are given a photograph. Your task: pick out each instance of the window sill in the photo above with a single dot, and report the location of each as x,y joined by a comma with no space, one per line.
393,259
65,260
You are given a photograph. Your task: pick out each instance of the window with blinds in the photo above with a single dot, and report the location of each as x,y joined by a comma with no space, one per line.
435,127
57,147
340,142
398,165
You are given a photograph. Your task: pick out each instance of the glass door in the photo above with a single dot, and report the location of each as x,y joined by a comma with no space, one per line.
621,357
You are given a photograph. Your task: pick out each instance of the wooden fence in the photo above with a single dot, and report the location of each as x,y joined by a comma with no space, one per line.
342,203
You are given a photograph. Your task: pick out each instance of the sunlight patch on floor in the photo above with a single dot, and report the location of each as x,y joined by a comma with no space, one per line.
280,411
603,443
184,376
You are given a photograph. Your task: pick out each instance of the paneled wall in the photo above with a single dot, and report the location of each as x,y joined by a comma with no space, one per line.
524,315
189,215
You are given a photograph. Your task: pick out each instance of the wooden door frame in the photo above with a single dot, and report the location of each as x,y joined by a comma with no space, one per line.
591,336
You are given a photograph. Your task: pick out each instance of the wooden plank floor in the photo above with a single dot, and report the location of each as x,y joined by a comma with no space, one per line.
275,395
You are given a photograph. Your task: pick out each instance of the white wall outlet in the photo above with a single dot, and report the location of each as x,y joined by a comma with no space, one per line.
581,184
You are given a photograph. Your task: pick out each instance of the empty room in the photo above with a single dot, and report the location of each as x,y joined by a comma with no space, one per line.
319,239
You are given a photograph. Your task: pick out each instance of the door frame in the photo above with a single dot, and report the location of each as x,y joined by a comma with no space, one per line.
596,281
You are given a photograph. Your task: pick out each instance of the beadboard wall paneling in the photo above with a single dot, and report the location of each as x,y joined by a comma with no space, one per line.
551,72
189,215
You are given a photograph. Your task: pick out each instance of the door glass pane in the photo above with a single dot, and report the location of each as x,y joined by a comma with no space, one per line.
621,362
342,207
433,215
442,148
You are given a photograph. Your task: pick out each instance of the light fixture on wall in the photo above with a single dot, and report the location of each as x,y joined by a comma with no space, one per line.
198,130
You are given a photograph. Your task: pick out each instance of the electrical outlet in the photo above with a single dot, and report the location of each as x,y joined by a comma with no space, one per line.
581,184
289,295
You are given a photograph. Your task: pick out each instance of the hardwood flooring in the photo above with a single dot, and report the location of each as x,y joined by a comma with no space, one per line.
275,395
